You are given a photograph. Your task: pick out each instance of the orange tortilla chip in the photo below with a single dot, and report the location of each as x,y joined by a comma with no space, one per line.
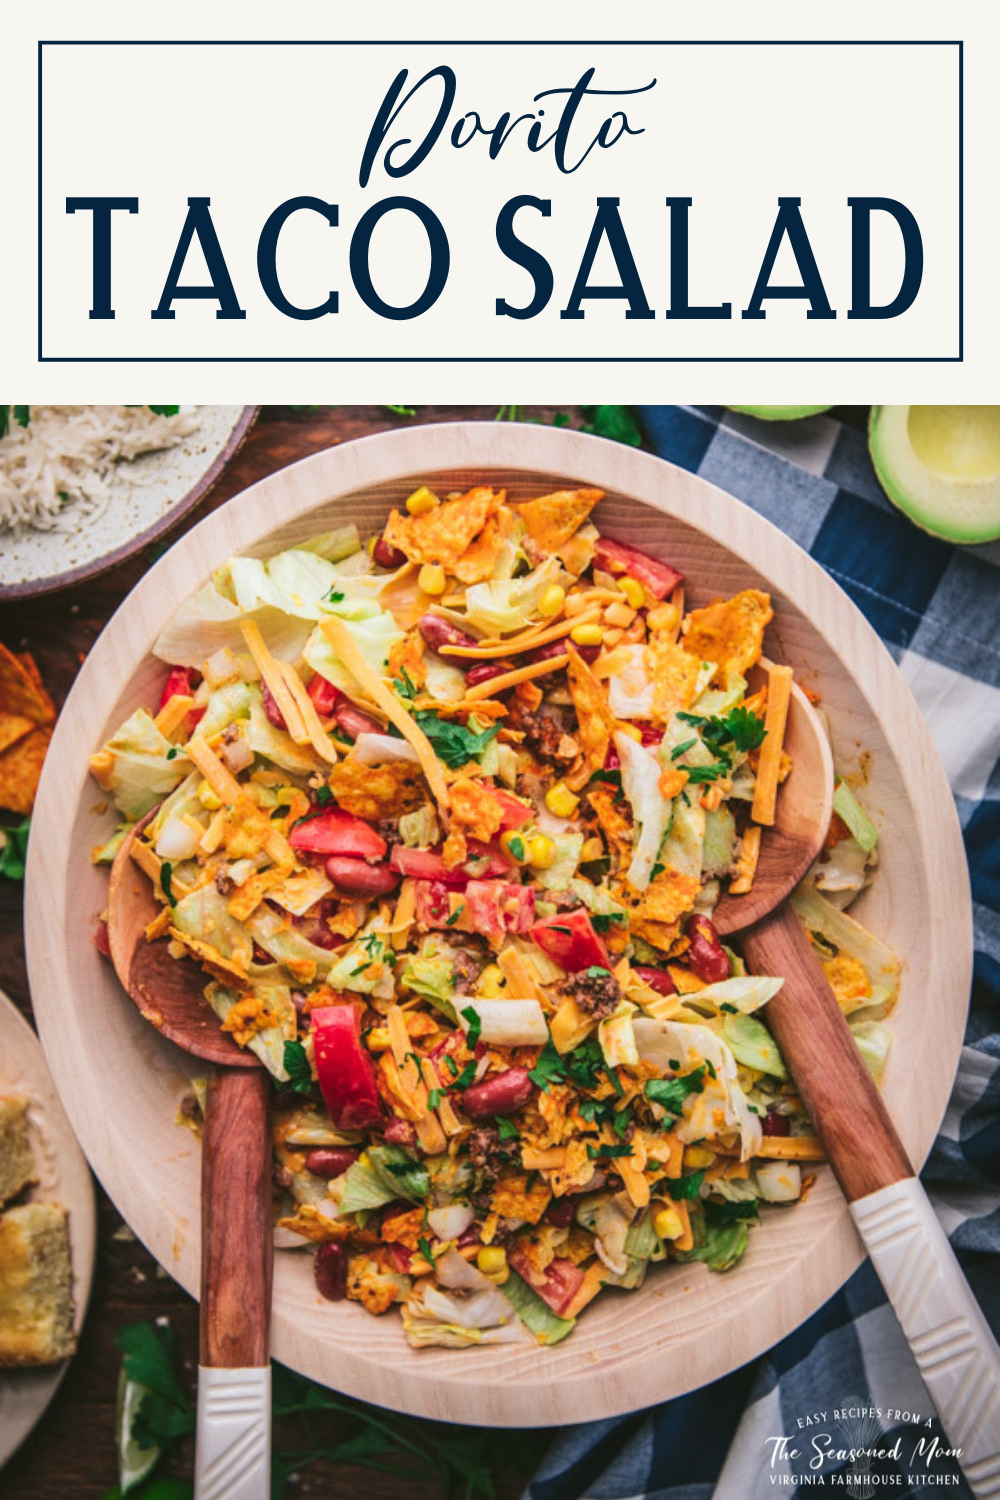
675,675
474,809
479,559
614,824
729,632
20,769
552,519
595,721
21,690
447,531
13,727
373,792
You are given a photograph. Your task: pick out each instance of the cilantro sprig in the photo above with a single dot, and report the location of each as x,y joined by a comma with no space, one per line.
296,1060
454,743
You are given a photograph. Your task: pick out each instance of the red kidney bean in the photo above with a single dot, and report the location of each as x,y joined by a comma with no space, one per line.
386,555
657,979
271,709
775,1124
330,1271
706,955
485,671
562,1211
499,1095
356,877
438,632
330,1161
400,1133
353,722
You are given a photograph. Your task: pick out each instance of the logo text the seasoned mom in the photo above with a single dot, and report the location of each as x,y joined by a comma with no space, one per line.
822,1457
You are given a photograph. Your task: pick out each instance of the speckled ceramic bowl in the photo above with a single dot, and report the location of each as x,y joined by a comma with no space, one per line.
149,495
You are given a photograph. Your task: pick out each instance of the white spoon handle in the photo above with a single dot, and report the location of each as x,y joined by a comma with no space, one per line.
233,1453
951,1340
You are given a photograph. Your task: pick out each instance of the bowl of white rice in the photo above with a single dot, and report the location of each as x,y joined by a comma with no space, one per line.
83,487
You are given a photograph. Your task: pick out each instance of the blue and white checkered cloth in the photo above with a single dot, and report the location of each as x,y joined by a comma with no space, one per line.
937,607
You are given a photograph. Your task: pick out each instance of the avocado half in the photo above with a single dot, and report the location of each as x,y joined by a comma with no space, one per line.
780,413
941,466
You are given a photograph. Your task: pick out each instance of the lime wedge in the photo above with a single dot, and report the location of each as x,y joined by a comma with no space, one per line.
135,1463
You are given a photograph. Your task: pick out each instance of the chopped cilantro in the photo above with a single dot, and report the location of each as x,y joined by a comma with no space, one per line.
425,1249
296,1060
452,1065
507,1130
166,881
323,795
335,596
404,685
619,423
516,846
568,931
699,774
602,920
594,1152
727,1007
549,1068
14,851
475,1027
680,749
596,971
613,777
450,921
454,743
583,1062
434,1098
620,1120
466,1076
173,752
671,1092
688,1186
729,1213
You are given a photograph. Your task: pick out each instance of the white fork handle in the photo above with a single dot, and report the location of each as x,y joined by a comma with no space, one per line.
233,1453
950,1339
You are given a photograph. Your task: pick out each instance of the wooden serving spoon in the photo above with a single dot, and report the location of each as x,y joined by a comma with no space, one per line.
233,1455
946,1330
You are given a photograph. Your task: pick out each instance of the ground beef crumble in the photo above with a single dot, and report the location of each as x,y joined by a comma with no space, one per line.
485,1153
388,828
544,733
596,992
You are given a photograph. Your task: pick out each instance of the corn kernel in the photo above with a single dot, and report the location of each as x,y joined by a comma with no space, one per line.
663,617
422,501
208,798
697,1156
378,1039
667,1223
491,1258
491,982
593,848
515,846
586,635
619,614
432,578
552,601
633,591
541,852
560,801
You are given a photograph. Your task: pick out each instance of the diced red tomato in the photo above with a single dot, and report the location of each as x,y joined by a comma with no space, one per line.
323,694
428,864
181,682
515,812
561,1284
496,906
345,1070
615,557
432,906
335,831
569,938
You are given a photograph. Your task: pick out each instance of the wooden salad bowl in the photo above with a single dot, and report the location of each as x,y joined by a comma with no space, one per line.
120,1081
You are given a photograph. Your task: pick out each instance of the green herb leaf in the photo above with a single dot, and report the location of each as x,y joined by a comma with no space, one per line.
688,1186
671,1092
434,1098
166,881
681,749
506,1129
13,852
450,921
698,774
619,423
454,743
296,1060
475,1027
602,920
549,1068
466,1076
404,685
425,1249
594,1152
730,1213
165,1412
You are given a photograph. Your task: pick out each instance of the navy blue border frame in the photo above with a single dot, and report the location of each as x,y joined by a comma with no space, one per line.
539,359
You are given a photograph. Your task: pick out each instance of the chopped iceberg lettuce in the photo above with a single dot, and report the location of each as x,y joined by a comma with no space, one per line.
133,766
535,1314
508,604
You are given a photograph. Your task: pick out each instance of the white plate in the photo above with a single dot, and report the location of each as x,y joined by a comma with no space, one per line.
63,1177
149,495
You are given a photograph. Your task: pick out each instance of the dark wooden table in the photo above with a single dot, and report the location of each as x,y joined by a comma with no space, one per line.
71,1454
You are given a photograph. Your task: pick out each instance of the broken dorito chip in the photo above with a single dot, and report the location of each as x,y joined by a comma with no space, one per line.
595,721
729,632
675,676
20,770
373,792
552,519
443,534
13,727
480,558
21,690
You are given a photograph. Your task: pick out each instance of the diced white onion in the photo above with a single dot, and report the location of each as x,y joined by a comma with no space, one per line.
779,1181
221,667
376,749
450,1222
237,755
177,840
510,1023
